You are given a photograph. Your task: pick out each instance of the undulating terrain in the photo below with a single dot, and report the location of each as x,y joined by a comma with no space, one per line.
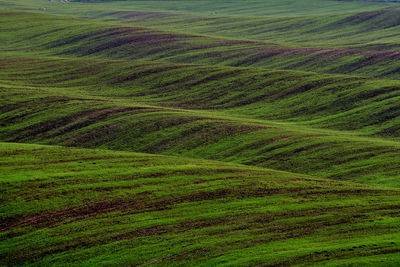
206,133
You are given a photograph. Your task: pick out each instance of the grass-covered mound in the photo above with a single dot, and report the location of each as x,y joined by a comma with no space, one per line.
43,34
95,207
371,30
144,107
370,25
368,106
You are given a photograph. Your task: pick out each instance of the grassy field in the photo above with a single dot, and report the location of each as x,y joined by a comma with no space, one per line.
258,8
338,24
59,102
93,207
365,106
271,128
370,30
55,35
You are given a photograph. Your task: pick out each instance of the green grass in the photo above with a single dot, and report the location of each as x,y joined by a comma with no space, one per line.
370,30
273,128
59,101
275,8
339,102
47,35
95,207
305,23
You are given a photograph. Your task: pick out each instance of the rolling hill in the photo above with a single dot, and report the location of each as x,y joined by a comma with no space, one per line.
59,102
95,207
199,133
56,35
370,25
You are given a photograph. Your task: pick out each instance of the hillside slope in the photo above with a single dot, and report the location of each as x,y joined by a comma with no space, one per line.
54,35
305,23
135,107
367,106
94,207
371,30
258,8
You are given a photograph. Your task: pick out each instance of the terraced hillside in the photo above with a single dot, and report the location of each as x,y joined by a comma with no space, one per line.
271,130
94,207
